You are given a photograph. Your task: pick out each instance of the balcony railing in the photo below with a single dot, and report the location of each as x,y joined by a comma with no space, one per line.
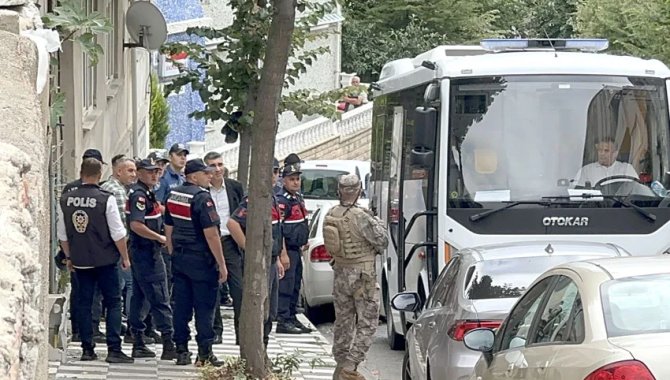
308,135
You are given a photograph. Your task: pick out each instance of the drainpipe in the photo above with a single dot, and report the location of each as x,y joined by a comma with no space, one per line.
135,100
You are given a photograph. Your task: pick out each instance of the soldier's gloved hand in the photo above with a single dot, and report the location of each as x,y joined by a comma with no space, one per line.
223,274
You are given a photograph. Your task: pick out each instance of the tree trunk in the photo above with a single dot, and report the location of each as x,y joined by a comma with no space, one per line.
245,139
243,157
259,233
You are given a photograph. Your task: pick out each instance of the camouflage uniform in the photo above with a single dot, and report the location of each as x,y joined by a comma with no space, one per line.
354,238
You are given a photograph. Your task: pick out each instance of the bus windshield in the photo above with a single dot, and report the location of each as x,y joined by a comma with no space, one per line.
529,138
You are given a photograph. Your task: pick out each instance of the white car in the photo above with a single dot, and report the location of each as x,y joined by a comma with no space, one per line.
588,320
317,274
319,181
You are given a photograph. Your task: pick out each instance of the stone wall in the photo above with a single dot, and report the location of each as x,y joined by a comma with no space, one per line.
24,206
354,147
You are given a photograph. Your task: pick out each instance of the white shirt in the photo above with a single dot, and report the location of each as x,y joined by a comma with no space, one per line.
220,197
116,228
595,172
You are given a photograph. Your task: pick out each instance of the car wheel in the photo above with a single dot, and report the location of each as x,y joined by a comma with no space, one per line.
396,341
406,370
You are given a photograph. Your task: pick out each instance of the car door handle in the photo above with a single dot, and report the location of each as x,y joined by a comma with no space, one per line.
431,324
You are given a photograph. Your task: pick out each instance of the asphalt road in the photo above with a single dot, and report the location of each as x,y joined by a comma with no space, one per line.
381,364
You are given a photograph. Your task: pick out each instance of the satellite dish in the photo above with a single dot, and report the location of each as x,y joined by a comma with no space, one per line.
146,25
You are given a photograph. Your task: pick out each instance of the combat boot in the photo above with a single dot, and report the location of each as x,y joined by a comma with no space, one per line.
140,350
347,374
302,327
169,350
206,357
183,355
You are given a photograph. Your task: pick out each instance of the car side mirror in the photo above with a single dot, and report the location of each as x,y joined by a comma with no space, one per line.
406,301
481,340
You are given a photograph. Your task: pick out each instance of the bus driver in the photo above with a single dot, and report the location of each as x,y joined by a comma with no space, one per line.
606,166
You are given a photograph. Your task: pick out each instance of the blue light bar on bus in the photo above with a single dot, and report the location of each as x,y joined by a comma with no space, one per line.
582,44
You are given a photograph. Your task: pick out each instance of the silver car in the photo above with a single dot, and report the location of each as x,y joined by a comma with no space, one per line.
477,289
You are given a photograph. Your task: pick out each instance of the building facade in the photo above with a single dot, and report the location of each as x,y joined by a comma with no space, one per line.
106,104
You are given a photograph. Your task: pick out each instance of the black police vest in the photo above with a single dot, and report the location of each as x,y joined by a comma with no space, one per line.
152,219
187,234
84,215
74,185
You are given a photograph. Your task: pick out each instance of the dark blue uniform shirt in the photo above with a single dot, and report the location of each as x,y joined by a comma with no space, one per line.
143,207
169,181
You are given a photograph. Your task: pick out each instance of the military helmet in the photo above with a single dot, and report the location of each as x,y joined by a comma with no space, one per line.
349,183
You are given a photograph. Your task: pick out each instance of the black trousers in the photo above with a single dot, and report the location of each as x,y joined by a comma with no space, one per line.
195,289
273,294
289,288
235,266
107,278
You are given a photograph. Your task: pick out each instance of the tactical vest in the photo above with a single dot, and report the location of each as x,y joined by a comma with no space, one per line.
341,238
84,215
187,234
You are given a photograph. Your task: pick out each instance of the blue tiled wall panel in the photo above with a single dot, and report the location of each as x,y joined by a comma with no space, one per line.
182,127
180,10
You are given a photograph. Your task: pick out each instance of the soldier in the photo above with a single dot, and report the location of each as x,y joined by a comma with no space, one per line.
296,233
354,238
93,237
194,241
237,226
149,278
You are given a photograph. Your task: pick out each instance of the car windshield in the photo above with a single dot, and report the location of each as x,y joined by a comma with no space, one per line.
320,183
522,138
509,278
637,305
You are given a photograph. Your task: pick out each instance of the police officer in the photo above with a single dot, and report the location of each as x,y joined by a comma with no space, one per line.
295,232
290,160
172,176
237,225
149,278
354,238
74,296
193,238
93,237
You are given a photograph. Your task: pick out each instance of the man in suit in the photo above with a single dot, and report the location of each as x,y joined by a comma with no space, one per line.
227,194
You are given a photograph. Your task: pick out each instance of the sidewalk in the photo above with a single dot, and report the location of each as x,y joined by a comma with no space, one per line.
311,347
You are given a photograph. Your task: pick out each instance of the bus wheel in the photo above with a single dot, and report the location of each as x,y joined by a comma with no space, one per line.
396,341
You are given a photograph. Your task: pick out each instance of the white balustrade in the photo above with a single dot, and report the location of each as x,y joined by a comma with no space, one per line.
308,134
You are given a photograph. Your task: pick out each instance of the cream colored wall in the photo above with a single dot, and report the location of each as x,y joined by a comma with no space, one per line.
109,126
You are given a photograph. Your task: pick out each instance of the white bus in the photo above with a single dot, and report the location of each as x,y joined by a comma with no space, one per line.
516,140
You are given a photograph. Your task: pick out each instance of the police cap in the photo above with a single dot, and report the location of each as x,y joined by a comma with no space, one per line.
178,148
197,165
275,163
146,164
93,153
158,156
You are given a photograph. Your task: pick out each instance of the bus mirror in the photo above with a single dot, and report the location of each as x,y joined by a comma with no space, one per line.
425,128
432,93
